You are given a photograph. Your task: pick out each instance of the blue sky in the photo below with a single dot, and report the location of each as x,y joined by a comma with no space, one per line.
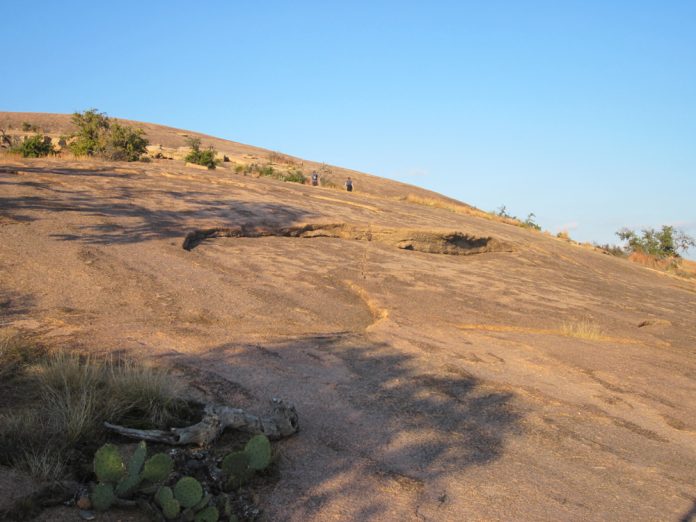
583,112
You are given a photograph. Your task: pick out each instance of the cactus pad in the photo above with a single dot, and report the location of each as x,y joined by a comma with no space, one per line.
237,470
108,464
209,514
157,468
259,451
127,485
171,509
135,464
164,495
188,491
102,497
203,503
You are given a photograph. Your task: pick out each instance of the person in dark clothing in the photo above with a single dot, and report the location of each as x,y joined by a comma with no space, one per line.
349,185
315,179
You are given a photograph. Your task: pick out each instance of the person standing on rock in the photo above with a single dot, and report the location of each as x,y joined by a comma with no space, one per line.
315,178
349,184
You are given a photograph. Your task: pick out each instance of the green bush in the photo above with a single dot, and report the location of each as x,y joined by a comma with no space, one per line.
663,243
125,143
199,156
36,146
99,135
90,137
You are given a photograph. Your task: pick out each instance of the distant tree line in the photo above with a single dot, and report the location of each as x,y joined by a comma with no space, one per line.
661,244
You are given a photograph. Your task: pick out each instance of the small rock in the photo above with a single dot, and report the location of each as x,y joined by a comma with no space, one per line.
87,515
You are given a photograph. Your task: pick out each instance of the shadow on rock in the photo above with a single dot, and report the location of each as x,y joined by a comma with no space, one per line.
372,420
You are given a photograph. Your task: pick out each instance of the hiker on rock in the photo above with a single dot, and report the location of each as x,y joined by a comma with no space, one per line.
315,178
349,184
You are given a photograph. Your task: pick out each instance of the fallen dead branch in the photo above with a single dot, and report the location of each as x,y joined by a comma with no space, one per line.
282,422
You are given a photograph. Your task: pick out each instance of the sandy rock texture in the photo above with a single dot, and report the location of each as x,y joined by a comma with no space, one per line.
429,386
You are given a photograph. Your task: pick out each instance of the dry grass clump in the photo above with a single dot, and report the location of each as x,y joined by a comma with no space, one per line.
582,330
16,352
61,400
459,208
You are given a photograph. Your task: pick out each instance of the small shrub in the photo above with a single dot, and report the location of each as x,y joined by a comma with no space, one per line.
36,146
613,250
563,234
530,223
200,157
294,176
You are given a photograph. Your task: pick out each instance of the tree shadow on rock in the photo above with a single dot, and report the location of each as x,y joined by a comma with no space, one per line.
372,419
123,217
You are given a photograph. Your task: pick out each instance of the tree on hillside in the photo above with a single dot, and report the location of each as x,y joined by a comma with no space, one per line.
90,138
125,143
99,135
664,243
205,157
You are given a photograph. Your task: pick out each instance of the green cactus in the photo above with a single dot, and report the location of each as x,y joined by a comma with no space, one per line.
171,509
164,494
203,503
157,468
127,485
108,464
188,491
135,464
237,470
102,496
209,514
259,451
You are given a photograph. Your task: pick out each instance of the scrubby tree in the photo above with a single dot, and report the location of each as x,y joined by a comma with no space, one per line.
663,243
124,143
205,157
90,137
99,135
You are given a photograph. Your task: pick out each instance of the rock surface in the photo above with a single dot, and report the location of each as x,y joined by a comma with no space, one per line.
429,387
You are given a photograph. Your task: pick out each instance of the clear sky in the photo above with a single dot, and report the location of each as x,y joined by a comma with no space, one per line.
583,112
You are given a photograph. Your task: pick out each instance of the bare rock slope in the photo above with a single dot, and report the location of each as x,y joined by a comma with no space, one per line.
429,386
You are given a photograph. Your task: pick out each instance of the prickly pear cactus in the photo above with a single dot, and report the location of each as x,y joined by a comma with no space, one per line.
209,514
171,509
203,503
108,464
259,451
135,464
188,491
164,494
237,469
127,485
102,497
157,468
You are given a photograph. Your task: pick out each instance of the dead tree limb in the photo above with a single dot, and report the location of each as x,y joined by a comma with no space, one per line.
282,422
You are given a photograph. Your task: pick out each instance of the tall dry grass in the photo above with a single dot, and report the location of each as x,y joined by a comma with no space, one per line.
63,399
458,208
583,329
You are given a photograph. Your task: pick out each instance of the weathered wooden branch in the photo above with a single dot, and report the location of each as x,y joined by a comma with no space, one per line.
282,422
